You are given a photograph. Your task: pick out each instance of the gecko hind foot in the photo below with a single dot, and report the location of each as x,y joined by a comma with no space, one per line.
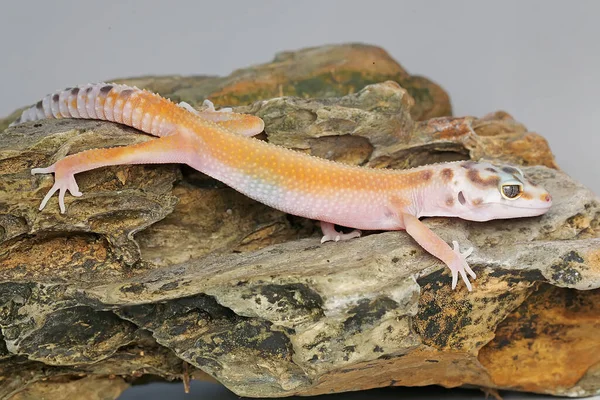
242,124
188,107
63,182
210,107
460,266
330,234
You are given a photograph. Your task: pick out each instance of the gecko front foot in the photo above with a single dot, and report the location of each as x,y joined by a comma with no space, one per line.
63,181
330,234
459,265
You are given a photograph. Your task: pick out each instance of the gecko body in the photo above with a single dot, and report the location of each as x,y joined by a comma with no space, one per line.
218,143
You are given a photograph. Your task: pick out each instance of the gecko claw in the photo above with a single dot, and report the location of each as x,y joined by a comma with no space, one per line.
459,265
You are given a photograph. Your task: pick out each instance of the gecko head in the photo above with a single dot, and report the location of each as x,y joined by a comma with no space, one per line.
484,191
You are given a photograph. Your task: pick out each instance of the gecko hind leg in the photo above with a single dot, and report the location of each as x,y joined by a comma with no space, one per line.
242,124
330,234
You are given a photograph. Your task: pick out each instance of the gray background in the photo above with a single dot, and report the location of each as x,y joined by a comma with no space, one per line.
538,60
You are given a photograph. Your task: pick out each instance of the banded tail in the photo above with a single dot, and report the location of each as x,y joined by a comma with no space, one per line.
123,104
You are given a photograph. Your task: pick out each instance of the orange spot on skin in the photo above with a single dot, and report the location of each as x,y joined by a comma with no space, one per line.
526,196
447,175
476,178
399,203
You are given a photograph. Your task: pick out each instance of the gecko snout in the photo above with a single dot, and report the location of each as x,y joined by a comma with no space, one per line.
546,197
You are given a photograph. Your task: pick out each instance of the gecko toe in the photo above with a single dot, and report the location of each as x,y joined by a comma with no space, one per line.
209,105
330,234
466,279
470,271
73,187
454,279
62,184
47,170
187,106
460,265
467,252
48,196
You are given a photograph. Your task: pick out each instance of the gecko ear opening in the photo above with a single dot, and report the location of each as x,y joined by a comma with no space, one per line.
461,198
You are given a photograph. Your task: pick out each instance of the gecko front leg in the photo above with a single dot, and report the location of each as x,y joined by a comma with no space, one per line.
453,258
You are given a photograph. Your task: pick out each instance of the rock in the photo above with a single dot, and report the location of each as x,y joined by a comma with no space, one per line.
374,127
92,388
159,270
318,72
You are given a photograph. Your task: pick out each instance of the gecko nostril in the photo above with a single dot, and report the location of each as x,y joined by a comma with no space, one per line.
546,197
461,198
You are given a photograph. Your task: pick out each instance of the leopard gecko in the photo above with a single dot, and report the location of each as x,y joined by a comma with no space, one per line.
220,144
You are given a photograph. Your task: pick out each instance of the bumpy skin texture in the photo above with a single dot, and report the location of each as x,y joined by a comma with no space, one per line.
218,144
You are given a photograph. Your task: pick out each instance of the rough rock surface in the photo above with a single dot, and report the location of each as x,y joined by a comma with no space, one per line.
317,72
159,270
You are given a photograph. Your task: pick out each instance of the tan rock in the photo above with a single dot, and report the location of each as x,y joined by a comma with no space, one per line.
317,72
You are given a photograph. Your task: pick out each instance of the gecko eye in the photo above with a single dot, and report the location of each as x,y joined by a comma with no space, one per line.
511,191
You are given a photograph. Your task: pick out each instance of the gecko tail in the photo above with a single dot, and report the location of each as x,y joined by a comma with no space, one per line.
105,101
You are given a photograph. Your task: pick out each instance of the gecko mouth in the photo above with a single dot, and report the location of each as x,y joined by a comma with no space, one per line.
522,208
